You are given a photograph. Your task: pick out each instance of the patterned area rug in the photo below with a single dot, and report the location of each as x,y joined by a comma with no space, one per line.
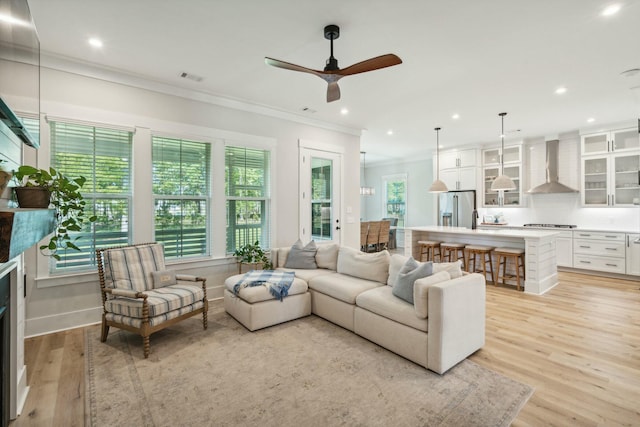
304,372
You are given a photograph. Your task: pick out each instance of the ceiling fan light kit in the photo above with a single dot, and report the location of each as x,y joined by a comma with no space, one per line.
332,72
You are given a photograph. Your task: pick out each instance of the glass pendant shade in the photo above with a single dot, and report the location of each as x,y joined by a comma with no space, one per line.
502,182
364,190
438,186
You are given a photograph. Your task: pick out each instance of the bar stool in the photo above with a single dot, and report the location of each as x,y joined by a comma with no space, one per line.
517,257
428,248
449,248
484,252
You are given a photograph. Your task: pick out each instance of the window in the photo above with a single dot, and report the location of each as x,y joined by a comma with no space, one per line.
103,157
181,177
395,197
247,188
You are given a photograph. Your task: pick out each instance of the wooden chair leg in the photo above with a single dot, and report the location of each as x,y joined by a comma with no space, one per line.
105,329
493,278
146,345
504,269
204,315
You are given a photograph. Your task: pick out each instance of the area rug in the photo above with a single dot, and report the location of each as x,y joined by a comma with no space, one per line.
305,372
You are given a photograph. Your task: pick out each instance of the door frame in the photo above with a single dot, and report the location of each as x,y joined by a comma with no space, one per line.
307,149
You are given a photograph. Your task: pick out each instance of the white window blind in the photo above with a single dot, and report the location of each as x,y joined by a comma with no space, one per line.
181,182
103,157
247,188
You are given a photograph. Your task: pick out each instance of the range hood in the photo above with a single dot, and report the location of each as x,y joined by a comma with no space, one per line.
552,185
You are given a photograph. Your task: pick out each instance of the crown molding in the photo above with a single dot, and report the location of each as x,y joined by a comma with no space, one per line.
89,69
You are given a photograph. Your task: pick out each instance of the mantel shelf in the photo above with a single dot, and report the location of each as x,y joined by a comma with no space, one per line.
22,228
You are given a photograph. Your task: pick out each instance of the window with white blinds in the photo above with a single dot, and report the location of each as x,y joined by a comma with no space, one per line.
247,189
181,182
103,157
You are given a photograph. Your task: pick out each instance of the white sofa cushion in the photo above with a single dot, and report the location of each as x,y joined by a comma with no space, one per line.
373,266
421,292
253,294
307,275
453,268
327,256
341,286
381,301
283,253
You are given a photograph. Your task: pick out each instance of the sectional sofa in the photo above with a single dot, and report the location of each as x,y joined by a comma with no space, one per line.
444,325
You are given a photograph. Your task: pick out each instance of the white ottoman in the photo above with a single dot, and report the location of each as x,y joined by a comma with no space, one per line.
255,307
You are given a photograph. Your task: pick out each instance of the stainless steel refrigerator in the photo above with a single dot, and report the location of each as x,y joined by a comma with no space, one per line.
456,208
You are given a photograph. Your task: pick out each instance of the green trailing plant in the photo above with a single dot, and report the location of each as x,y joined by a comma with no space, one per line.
252,254
66,199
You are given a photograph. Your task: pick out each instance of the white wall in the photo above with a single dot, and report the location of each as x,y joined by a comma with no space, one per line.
63,302
420,203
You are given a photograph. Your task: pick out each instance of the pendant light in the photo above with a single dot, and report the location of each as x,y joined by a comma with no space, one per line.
364,190
438,186
502,182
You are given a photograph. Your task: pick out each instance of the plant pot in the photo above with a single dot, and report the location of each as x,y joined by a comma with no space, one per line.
33,197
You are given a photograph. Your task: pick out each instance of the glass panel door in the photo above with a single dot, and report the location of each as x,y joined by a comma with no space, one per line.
627,179
596,143
627,139
320,186
595,181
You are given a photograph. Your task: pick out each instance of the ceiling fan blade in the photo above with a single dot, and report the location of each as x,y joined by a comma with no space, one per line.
376,63
290,66
333,92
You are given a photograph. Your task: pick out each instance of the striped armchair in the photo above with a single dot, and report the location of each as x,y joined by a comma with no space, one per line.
140,295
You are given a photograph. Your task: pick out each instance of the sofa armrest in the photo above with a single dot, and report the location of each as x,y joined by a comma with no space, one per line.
129,293
456,319
421,292
188,278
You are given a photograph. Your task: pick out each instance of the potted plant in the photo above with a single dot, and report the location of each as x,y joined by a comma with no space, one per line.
253,254
63,194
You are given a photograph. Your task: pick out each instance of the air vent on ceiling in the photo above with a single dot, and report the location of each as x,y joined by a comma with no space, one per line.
190,76
308,110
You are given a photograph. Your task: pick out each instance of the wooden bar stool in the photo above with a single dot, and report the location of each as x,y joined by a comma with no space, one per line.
517,257
428,248
484,252
456,249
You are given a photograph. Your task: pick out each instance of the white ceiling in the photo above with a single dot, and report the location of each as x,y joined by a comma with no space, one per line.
474,58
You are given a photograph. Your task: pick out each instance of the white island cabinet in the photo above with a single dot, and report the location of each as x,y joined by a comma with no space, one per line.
541,270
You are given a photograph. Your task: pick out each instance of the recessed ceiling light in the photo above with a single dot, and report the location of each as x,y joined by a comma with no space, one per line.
95,42
591,120
611,10
344,111
390,132
455,116
561,90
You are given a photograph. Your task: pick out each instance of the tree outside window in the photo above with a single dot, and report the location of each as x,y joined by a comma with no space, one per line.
395,198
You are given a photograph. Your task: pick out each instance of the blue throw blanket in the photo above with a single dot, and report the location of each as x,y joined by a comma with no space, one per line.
278,282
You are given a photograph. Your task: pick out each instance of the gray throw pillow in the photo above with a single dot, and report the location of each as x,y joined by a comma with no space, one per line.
302,257
409,273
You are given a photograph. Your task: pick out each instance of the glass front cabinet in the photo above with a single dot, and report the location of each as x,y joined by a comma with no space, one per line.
611,180
512,168
612,141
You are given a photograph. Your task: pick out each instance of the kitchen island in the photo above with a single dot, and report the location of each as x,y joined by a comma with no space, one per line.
540,249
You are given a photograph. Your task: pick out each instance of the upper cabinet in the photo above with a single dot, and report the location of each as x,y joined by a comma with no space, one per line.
458,169
611,141
491,160
611,168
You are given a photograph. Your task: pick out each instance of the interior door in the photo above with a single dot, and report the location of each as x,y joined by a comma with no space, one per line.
320,185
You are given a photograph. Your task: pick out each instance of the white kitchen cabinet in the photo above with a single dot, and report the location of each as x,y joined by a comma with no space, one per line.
618,140
458,169
564,249
633,254
512,168
611,179
600,251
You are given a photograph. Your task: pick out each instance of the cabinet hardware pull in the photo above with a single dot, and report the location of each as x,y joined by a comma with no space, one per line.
585,235
610,237
611,249
586,262
586,247
612,265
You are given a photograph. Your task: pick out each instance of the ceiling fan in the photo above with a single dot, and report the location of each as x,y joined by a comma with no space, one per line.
332,73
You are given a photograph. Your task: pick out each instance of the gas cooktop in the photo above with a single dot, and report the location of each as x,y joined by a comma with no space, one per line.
551,225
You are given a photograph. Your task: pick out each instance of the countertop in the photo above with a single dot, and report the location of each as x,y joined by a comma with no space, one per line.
589,229
506,232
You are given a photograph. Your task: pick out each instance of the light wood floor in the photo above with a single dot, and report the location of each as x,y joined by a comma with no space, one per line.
578,346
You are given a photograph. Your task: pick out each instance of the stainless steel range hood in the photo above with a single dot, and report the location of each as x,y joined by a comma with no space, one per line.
552,185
